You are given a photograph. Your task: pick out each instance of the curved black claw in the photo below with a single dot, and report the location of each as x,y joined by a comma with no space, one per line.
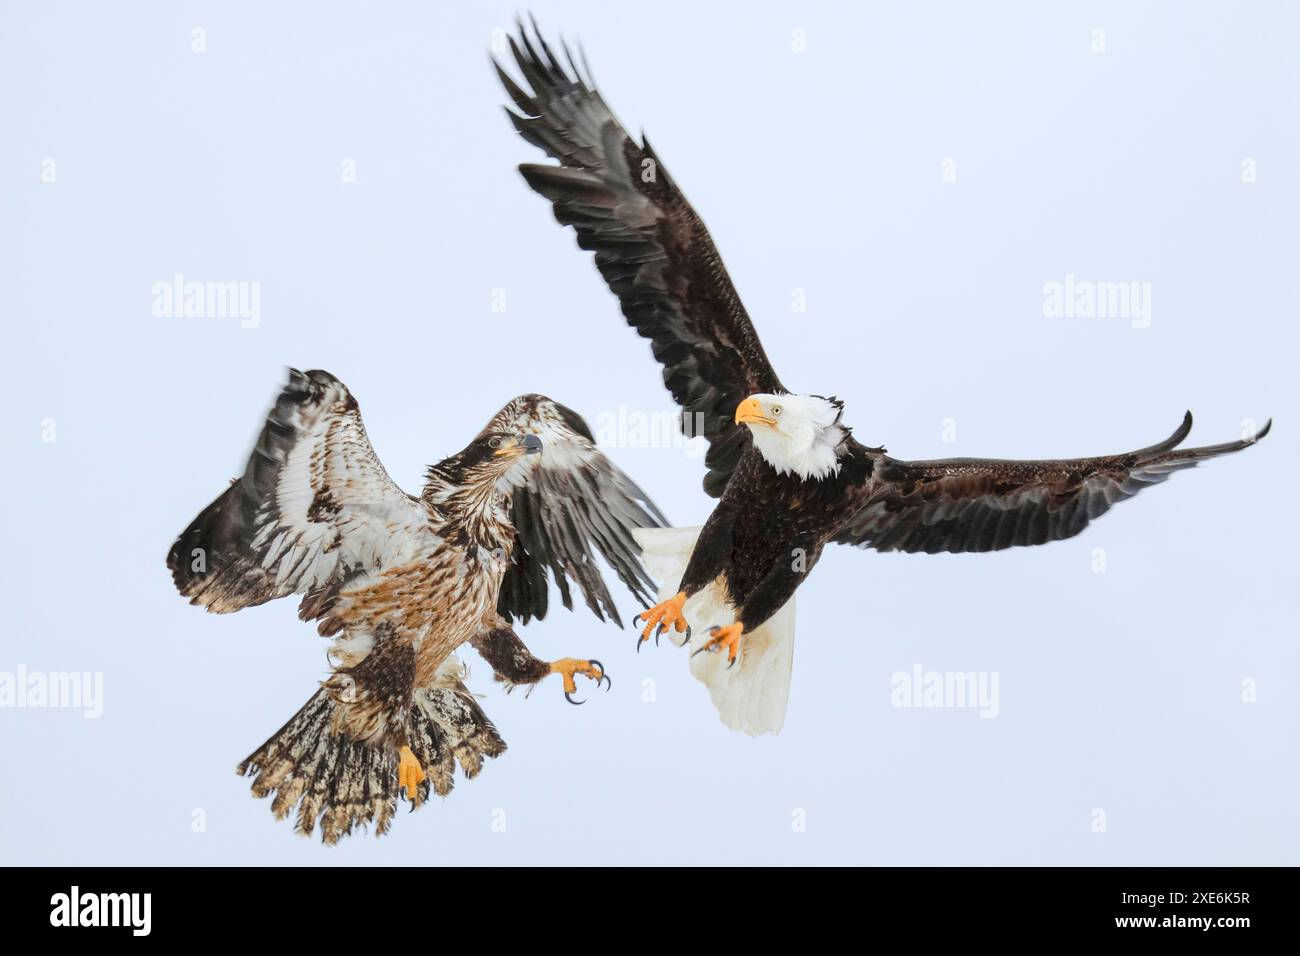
603,676
570,699
659,630
705,646
688,636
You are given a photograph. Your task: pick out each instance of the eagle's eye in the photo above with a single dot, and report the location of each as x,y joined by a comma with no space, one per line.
776,411
494,442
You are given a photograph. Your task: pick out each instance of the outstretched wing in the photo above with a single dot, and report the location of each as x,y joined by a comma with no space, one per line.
651,247
313,507
973,504
573,501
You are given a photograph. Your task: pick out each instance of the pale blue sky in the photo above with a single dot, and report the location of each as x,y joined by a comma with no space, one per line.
818,171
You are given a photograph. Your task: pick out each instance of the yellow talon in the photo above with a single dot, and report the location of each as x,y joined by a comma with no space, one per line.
409,773
665,616
728,637
568,666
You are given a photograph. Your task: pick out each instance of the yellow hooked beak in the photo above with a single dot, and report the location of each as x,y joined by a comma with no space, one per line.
750,412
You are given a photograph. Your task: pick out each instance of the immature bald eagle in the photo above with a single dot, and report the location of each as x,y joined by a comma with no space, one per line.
790,476
401,582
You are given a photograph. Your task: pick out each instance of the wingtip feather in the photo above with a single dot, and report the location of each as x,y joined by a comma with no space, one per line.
1172,442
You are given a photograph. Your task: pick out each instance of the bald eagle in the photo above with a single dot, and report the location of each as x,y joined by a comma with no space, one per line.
789,475
400,582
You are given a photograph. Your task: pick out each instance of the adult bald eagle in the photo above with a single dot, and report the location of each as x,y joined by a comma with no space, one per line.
400,582
789,474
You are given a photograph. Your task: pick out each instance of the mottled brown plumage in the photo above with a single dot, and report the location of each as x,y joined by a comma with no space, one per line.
400,582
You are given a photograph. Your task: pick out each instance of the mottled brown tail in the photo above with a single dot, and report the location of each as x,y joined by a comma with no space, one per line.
344,782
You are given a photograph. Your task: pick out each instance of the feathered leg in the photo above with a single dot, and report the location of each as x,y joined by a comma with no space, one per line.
514,664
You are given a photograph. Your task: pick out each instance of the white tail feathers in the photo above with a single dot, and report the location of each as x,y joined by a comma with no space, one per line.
752,695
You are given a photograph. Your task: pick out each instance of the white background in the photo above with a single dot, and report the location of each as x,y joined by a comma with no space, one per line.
820,171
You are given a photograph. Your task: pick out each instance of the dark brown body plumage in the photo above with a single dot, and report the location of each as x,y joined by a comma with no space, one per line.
762,552
769,529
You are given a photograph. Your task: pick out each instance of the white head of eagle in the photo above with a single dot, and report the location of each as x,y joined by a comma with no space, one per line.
799,434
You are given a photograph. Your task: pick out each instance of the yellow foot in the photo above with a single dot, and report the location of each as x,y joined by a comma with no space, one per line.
568,666
663,617
409,773
728,637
